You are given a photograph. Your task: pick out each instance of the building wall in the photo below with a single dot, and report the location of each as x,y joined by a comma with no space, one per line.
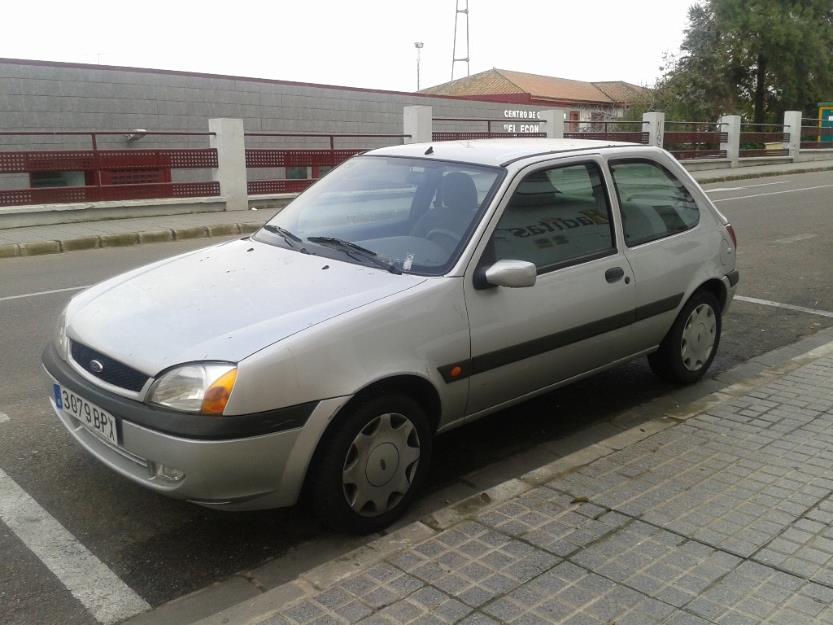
50,97
38,96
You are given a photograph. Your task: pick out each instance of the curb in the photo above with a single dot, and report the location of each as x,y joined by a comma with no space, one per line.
321,577
765,174
37,248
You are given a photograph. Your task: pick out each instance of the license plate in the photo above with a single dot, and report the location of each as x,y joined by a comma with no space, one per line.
91,416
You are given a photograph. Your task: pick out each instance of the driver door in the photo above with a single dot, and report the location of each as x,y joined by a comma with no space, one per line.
576,316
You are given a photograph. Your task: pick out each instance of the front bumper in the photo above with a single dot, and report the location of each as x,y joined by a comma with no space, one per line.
225,469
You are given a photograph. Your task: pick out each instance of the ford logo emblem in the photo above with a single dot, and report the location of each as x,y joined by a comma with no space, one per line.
96,366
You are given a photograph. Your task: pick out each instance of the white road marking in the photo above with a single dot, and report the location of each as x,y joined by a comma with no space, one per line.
796,238
102,593
746,197
749,186
36,294
3,417
766,302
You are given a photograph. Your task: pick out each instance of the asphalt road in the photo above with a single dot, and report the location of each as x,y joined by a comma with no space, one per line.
162,549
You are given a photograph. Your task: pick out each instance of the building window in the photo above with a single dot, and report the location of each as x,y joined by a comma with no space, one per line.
307,173
297,173
572,124
44,179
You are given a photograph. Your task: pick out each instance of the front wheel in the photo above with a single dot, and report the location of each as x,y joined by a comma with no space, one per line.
371,463
688,349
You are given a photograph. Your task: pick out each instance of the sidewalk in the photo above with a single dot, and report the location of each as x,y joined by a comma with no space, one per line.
53,239
58,238
714,512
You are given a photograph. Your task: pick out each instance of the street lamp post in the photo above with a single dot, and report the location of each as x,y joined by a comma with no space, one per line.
418,45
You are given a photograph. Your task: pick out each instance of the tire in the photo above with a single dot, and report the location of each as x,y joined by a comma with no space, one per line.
370,464
688,349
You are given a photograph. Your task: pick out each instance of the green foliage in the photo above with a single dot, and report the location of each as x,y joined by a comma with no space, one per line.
756,58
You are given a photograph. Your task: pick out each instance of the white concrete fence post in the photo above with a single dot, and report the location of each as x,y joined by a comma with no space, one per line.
730,124
554,126
231,162
418,122
792,125
655,127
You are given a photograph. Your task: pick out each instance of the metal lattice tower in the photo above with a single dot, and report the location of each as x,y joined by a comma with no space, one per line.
454,58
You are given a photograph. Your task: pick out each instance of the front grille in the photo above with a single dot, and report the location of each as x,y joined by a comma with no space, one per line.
113,372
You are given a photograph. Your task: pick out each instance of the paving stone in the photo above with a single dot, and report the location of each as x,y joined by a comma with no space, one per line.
647,473
742,508
550,520
805,549
354,599
474,563
753,593
569,594
658,563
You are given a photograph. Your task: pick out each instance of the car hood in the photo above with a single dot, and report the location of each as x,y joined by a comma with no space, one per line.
221,303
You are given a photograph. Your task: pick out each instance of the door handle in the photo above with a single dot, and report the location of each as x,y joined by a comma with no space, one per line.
614,274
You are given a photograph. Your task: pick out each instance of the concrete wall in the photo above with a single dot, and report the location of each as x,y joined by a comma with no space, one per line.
38,96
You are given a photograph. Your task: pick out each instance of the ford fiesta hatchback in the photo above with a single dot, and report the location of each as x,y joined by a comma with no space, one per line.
411,290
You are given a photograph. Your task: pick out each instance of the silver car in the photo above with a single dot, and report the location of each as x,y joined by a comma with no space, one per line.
411,290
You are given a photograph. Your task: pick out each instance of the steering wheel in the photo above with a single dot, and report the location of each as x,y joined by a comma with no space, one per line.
446,239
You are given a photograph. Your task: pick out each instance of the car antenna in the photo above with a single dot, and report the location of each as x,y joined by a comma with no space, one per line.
430,150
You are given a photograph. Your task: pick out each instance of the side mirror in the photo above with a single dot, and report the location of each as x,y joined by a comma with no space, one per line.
512,273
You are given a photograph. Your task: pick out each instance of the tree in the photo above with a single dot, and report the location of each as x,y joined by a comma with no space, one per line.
750,56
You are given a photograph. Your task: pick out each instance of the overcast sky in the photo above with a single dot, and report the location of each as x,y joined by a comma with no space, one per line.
363,43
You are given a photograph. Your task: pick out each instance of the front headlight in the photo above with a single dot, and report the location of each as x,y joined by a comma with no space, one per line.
61,342
204,388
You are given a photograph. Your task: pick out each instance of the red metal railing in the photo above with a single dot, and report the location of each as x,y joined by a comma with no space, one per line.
814,136
109,174
505,131
695,142
622,130
315,161
764,140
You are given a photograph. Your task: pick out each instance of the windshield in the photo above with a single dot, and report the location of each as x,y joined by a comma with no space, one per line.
409,215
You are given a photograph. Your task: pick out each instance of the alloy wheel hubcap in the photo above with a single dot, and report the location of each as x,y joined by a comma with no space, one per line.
699,334
380,464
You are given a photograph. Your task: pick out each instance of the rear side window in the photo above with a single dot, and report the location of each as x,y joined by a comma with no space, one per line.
555,218
653,202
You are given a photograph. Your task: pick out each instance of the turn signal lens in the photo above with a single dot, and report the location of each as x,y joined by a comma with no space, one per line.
217,395
196,387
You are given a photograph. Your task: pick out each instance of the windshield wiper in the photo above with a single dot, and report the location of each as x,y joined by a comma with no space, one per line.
348,247
290,238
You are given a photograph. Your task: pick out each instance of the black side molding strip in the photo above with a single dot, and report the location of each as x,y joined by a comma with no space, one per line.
527,349
658,307
192,426
734,277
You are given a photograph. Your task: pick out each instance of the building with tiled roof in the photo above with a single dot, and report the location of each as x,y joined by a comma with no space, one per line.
583,100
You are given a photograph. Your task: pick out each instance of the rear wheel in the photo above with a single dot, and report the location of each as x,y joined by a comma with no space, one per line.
688,349
371,463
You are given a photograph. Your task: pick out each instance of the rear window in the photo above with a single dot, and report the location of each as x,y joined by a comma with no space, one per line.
654,203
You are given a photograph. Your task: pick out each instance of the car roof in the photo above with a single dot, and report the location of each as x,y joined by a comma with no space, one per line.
495,152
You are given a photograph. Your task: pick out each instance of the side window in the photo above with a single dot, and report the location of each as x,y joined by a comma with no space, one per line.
654,203
556,217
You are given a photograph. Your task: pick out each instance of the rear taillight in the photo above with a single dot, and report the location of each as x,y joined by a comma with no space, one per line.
732,234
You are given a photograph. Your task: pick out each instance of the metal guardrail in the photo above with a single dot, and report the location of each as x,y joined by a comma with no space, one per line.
109,174
316,162
695,143
764,140
601,130
816,137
